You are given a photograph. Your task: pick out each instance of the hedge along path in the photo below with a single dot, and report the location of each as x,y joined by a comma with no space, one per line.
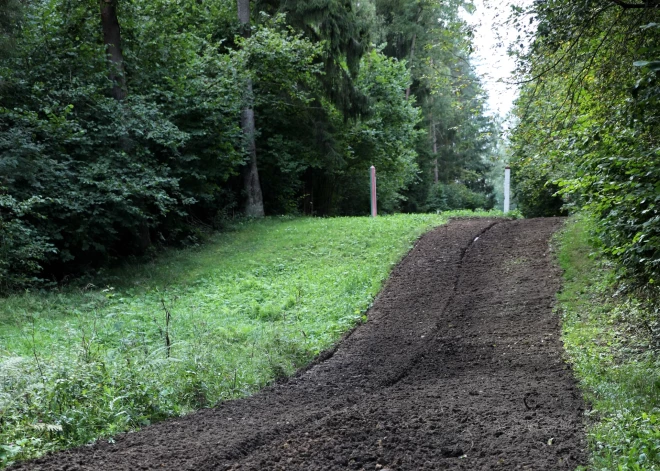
459,366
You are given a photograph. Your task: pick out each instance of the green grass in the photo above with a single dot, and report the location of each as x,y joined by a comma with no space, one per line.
610,343
196,327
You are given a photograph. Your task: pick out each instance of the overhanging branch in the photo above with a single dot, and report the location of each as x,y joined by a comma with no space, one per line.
626,5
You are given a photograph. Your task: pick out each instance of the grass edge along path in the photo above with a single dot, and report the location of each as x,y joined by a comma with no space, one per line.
610,347
194,328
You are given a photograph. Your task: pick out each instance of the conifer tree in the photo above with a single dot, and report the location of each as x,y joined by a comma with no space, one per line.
347,34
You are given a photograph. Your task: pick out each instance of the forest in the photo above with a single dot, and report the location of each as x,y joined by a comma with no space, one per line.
587,125
129,125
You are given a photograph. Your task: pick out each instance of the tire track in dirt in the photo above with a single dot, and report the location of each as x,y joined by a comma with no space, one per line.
459,366
407,368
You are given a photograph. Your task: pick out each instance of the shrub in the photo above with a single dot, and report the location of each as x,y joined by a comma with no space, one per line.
447,197
535,193
22,248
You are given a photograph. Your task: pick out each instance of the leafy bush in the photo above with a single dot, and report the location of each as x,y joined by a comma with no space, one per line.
620,188
447,197
589,127
535,192
22,248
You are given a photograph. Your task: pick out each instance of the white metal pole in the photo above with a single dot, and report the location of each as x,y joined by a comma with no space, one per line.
507,186
372,177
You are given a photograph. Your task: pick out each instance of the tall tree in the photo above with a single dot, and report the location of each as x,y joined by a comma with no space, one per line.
112,40
254,204
435,41
345,28
117,75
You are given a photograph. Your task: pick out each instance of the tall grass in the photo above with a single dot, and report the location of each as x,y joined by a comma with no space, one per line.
611,341
193,328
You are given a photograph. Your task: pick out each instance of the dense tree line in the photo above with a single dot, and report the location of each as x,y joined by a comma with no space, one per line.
125,124
589,119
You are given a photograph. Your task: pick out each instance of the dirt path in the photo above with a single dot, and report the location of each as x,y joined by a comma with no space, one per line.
459,367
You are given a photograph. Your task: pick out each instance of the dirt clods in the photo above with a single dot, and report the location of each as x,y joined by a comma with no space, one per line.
458,367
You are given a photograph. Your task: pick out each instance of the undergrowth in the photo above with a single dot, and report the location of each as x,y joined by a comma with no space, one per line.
611,340
193,328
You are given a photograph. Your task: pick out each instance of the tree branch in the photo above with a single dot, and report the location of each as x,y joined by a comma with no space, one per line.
566,54
626,5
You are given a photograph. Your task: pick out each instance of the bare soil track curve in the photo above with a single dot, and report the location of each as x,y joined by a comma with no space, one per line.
458,367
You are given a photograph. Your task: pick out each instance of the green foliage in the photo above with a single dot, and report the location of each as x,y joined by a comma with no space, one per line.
436,44
447,197
323,152
249,306
281,63
106,178
344,30
22,248
332,163
385,138
588,126
10,19
99,179
535,191
612,343
622,191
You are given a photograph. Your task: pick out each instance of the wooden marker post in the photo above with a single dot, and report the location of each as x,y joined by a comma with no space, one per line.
507,185
372,175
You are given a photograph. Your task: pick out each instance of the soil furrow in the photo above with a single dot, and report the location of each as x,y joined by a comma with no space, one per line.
459,366
419,351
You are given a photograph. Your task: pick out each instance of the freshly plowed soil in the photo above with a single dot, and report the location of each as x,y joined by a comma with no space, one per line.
458,367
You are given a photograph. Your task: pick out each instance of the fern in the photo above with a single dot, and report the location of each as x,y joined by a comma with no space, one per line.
47,427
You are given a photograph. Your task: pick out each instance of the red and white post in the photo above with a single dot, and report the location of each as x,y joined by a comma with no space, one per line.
372,175
507,186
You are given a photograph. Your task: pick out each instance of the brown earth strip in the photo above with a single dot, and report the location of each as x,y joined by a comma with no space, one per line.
458,367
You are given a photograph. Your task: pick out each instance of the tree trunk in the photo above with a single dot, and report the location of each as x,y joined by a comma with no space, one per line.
435,153
254,204
244,15
112,40
412,53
